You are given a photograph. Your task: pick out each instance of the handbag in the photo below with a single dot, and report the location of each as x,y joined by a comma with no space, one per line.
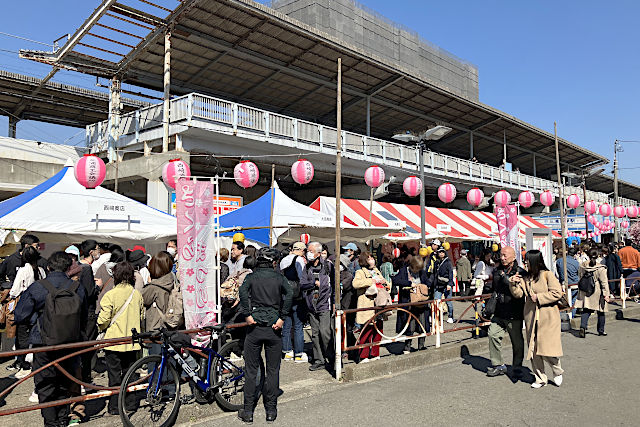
490,305
118,314
419,293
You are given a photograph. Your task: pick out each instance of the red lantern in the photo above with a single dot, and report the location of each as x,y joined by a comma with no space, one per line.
90,171
573,201
620,211
304,238
302,171
475,197
547,198
246,174
526,199
633,211
174,169
412,186
396,252
447,192
605,209
502,198
374,176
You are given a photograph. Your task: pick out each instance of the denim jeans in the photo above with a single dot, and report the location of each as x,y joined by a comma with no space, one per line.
446,294
584,320
295,319
574,297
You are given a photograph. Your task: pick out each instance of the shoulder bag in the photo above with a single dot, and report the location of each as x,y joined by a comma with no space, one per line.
118,314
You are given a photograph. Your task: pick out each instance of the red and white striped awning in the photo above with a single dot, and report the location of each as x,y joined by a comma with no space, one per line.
454,224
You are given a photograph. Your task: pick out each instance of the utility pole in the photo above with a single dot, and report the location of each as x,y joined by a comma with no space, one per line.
563,219
423,239
616,148
584,200
338,310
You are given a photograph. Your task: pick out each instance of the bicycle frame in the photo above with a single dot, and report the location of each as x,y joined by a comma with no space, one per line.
169,352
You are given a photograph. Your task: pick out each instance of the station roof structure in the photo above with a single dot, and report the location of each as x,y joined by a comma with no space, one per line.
247,52
32,98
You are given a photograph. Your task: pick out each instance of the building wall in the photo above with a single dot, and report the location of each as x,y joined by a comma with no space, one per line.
371,32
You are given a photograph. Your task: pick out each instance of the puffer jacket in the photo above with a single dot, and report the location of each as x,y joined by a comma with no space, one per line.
318,300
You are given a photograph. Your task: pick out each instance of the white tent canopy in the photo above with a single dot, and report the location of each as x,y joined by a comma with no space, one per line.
66,211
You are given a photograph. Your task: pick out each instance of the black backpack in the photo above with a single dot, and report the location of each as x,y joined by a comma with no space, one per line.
61,318
292,276
587,284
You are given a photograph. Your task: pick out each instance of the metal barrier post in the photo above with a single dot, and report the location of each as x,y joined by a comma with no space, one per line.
623,292
338,340
437,320
477,320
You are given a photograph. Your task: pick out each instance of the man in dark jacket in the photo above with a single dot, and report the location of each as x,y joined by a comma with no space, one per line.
89,252
317,283
292,266
349,299
442,280
265,300
507,317
50,383
13,262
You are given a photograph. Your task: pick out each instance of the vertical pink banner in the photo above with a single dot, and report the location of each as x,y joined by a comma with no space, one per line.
194,201
507,219
501,219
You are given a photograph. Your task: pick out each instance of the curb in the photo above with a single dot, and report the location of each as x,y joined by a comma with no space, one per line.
449,352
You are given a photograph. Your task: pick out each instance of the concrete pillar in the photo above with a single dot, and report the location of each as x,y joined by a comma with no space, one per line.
115,107
535,173
166,98
13,125
471,155
504,155
368,116
158,195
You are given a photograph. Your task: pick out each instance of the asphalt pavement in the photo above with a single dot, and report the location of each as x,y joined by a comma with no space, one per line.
600,388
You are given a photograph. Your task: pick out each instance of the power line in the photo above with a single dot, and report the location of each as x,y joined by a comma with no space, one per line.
25,39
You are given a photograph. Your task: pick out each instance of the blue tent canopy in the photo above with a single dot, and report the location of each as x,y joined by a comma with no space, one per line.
255,214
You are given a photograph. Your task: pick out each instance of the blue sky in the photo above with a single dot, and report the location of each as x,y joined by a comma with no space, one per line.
575,62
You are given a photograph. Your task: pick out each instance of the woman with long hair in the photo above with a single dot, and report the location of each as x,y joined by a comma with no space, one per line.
541,316
599,299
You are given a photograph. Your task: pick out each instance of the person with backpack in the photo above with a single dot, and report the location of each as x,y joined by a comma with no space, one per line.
317,284
293,266
442,280
157,292
406,282
26,275
55,308
121,310
593,294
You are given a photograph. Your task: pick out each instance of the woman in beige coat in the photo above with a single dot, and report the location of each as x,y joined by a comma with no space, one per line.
541,316
598,301
366,282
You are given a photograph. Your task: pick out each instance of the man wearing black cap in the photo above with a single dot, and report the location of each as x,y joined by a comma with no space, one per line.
265,300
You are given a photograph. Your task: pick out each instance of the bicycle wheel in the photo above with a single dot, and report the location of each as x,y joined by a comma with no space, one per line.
149,397
230,374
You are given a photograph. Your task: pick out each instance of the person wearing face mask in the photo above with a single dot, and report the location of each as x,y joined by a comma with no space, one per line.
317,286
443,280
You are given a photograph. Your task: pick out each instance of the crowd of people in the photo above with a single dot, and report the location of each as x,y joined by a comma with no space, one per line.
280,293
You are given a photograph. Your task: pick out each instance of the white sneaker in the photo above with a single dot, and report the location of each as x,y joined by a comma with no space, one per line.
376,358
537,385
450,320
288,355
82,390
406,352
558,380
34,397
365,361
301,358
22,373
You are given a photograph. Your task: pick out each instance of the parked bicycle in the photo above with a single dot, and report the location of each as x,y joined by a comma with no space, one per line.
150,391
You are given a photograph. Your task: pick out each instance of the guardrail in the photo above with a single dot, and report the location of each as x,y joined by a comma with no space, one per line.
194,108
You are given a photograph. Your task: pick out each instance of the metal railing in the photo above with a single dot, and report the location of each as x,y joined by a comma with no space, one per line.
198,110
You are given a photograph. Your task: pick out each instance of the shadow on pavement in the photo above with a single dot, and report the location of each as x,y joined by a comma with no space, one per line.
482,364
4,384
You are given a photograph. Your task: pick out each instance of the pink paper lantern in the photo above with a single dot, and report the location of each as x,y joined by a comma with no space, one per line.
374,176
246,174
174,169
475,197
396,252
624,224
606,222
619,211
573,201
605,209
412,186
447,192
591,207
591,219
547,198
302,171
90,171
526,199
502,198
304,238
633,211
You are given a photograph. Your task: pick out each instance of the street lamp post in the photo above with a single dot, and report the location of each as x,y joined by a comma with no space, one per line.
420,140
